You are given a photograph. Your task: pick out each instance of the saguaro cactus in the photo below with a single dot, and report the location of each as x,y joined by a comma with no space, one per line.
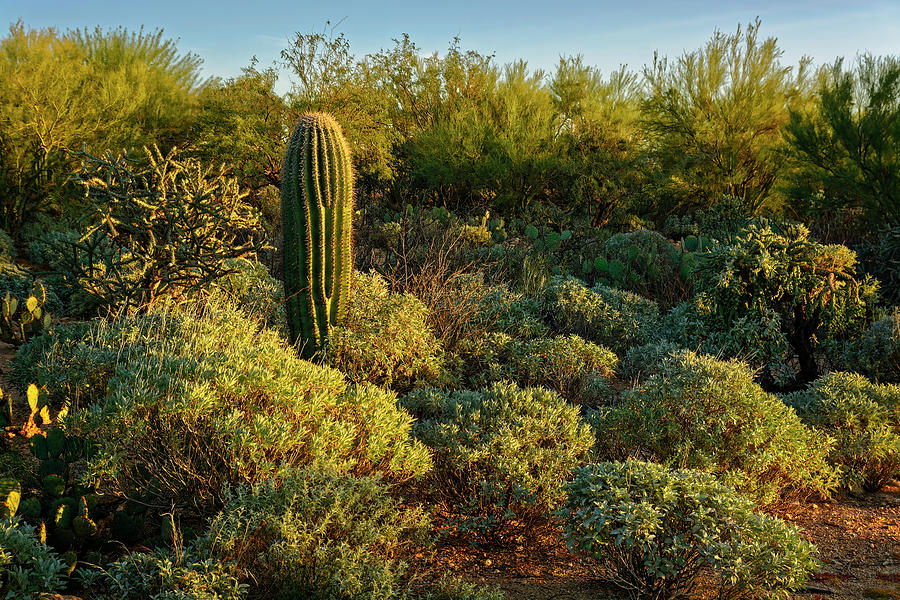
317,219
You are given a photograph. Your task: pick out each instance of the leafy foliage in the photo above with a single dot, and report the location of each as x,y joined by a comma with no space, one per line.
186,575
316,535
614,318
782,277
385,339
104,90
706,414
876,353
567,364
864,420
500,455
715,117
654,531
205,397
846,144
27,565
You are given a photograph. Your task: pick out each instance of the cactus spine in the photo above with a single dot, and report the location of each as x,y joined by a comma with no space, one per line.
317,220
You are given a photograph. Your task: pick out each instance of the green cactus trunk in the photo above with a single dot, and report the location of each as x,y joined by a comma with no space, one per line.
317,219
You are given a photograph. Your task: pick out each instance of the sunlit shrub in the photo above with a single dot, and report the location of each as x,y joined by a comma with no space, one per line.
455,588
200,398
385,339
864,419
654,531
707,414
188,575
250,286
316,535
567,364
500,455
613,318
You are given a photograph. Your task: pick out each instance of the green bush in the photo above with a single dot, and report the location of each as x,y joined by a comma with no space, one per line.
567,364
500,455
613,318
514,314
60,362
317,536
651,265
20,284
707,414
880,257
199,398
877,353
654,531
164,575
756,338
864,419
385,339
642,361
454,588
27,566
249,285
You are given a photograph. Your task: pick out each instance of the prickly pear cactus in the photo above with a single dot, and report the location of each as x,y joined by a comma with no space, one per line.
317,219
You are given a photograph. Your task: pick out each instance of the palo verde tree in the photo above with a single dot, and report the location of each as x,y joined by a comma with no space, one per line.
597,132
60,92
715,118
847,149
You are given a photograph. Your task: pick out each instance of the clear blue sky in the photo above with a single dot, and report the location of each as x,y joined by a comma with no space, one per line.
227,33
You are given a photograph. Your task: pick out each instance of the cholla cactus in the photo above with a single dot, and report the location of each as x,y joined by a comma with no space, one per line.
317,217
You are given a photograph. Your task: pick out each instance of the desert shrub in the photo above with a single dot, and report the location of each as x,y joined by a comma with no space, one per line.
199,398
680,226
385,339
654,531
513,313
877,353
613,318
879,256
27,566
642,361
500,455
315,535
778,272
7,248
454,588
249,285
51,248
649,264
864,420
567,364
724,220
756,338
707,414
163,574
